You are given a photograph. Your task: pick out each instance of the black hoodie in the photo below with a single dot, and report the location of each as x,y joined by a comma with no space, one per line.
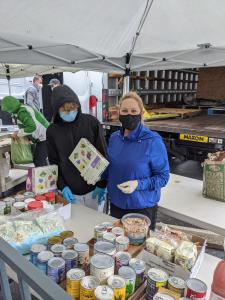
62,138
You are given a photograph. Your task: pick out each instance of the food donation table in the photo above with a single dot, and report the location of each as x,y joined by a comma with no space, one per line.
83,221
182,199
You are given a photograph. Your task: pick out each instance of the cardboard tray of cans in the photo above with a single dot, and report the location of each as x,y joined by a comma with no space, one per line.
132,249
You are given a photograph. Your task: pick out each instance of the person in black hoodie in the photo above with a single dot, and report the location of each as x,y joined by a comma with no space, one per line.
68,127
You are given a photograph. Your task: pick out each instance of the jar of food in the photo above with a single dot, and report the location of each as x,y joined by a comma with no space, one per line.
50,197
34,205
2,208
40,198
20,206
136,227
186,255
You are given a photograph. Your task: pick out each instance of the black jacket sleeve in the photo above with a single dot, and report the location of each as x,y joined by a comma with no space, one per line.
100,145
54,158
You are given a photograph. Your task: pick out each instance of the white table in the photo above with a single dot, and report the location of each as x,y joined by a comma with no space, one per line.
182,199
84,219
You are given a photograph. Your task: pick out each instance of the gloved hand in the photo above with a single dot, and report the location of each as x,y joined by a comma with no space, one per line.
99,194
128,187
68,195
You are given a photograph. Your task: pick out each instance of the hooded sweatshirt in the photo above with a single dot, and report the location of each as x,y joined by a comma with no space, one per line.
62,138
140,156
30,121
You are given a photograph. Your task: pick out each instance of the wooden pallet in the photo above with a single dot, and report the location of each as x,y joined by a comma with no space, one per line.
183,113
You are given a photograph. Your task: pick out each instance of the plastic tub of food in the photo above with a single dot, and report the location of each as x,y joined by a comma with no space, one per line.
136,227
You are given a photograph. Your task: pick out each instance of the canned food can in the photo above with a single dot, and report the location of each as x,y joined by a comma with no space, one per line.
118,231
87,287
104,292
122,243
66,234
58,249
70,242
71,259
73,279
108,226
105,248
128,274
177,285
102,267
99,230
27,195
156,278
34,251
54,240
109,237
42,260
56,269
83,254
163,296
118,285
195,289
139,267
122,259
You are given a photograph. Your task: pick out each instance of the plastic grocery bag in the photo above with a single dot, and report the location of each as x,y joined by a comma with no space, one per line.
21,151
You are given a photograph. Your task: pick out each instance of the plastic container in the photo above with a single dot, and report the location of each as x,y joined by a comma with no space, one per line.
19,206
34,205
136,227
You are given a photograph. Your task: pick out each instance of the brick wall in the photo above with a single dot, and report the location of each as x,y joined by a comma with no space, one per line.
211,83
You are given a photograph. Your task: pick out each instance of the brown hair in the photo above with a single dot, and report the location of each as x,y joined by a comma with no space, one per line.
136,97
68,106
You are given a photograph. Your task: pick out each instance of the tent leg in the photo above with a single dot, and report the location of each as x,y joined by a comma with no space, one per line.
8,79
9,87
126,84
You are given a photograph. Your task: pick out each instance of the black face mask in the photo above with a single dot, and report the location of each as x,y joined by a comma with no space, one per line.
130,122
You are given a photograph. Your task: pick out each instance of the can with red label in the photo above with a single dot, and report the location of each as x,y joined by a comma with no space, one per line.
195,289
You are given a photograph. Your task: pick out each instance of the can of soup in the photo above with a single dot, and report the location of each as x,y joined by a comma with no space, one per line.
71,259
195,289
122,259
156,278
102,267
109,237
73,279
105,248
42,260
56,269
87,287
83,254
34,251
177,285
118,231
70,242
118,285
66,234
108,226
139,267
99,231
128,274
58,249
122,243
54,240
104,292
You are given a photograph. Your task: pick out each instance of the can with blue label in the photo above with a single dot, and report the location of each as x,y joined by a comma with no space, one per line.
34,251
71,259
56,269
42,260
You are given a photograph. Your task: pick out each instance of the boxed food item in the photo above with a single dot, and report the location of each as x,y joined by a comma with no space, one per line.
178,258
89,161
42,179
214,176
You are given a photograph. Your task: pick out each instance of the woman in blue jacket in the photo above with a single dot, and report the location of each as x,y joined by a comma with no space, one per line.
138,166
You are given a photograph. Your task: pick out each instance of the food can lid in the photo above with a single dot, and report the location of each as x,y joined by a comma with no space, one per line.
102,261
126,272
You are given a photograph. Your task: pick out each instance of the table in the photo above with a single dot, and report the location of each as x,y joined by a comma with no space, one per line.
182,199
83,221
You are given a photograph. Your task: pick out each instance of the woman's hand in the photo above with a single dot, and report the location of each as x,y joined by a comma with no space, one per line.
128,187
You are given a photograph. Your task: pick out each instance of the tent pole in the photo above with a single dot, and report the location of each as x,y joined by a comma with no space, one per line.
8,79
126,80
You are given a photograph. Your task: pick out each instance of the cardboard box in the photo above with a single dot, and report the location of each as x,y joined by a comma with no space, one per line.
153,261
42,180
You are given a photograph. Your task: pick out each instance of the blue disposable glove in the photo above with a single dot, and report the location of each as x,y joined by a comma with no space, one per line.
99,194
68,195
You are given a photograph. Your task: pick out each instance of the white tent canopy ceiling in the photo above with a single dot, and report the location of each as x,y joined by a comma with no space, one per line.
112,36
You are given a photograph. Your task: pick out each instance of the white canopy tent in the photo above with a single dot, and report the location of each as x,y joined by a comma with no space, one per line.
111,36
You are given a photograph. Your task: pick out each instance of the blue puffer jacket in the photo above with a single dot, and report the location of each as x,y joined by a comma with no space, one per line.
140,156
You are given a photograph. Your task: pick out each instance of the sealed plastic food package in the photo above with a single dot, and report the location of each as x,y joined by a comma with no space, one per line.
7,232
186,255
51,223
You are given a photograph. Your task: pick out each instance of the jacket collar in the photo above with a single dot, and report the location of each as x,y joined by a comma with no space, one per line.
133,135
